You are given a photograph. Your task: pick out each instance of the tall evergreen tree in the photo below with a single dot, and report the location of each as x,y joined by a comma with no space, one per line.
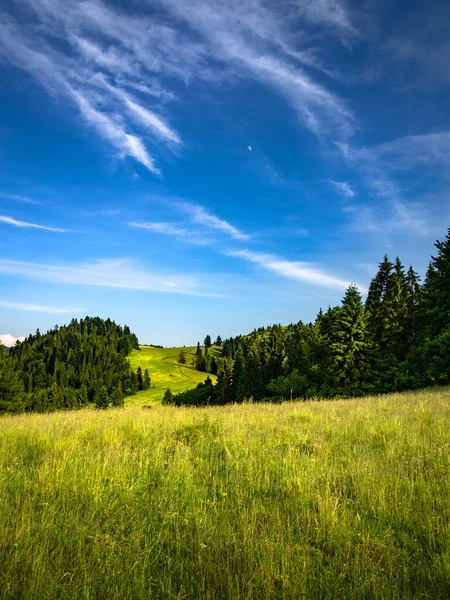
207,342
117,397
437,289
146,381
102,399
11,386
182,358
140,378
350,373
167,397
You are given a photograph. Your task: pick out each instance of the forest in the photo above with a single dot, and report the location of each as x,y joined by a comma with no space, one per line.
397,340
69,367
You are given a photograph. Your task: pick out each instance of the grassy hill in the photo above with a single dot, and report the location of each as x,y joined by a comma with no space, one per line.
319,500
166,372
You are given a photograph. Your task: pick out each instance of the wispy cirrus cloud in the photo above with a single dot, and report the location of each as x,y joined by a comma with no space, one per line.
201,216
171,229
383,168
119,273
120,68
20,198
344,188
297,271
26,224
39,308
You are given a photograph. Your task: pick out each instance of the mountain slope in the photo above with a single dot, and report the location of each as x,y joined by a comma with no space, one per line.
165,372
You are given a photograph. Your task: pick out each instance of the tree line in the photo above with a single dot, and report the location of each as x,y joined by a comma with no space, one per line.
398,339
69,367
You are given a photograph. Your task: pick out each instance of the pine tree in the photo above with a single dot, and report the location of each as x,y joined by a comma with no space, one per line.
146,382
350,366
11,386
167,397
222,389
218,341
102,399
182,358
375,308
437,289
117,398
207,342
140,378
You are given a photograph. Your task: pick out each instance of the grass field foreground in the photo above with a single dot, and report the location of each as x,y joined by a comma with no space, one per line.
330,500
166,372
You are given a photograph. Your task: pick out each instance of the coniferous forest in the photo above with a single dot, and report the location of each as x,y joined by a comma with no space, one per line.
398,339
68,367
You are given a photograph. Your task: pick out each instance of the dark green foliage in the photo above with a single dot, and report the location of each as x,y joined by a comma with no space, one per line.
437,289
117,397
167,397
207,342
218,341
11,386
182,358
140,378
289,387
349,369
102,400
146,380
202,395
66,367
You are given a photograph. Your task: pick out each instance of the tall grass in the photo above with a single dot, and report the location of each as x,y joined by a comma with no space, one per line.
344,499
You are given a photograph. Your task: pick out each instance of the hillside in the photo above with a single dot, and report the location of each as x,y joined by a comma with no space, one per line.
343,499
165,372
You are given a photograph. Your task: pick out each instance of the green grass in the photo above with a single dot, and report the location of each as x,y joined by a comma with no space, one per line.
321,500
166,372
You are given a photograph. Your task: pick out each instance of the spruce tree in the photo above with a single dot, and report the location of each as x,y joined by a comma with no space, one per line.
167,397
117,397
207,342
11,386
146,382
102,399
140,378
350,365
182,358
437,289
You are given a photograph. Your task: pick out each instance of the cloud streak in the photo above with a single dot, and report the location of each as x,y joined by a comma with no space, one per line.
201,216
297,271
38,308
26,224
119,273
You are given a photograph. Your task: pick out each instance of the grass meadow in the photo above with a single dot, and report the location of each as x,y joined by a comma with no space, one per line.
165,371
330,500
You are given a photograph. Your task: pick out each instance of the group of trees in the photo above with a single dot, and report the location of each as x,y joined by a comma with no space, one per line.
398,339
204,361
69,367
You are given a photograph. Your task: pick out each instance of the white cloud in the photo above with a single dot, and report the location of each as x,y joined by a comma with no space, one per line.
19,198
16,223
112,273
249,148
119,67
201,216
344,188
9,341
38,308
196,238
297,271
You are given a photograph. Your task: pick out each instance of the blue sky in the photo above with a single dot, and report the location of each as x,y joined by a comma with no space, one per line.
200,166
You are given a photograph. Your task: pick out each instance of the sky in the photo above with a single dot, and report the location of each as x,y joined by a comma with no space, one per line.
193,167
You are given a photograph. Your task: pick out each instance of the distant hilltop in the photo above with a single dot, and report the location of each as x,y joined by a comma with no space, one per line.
9,341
